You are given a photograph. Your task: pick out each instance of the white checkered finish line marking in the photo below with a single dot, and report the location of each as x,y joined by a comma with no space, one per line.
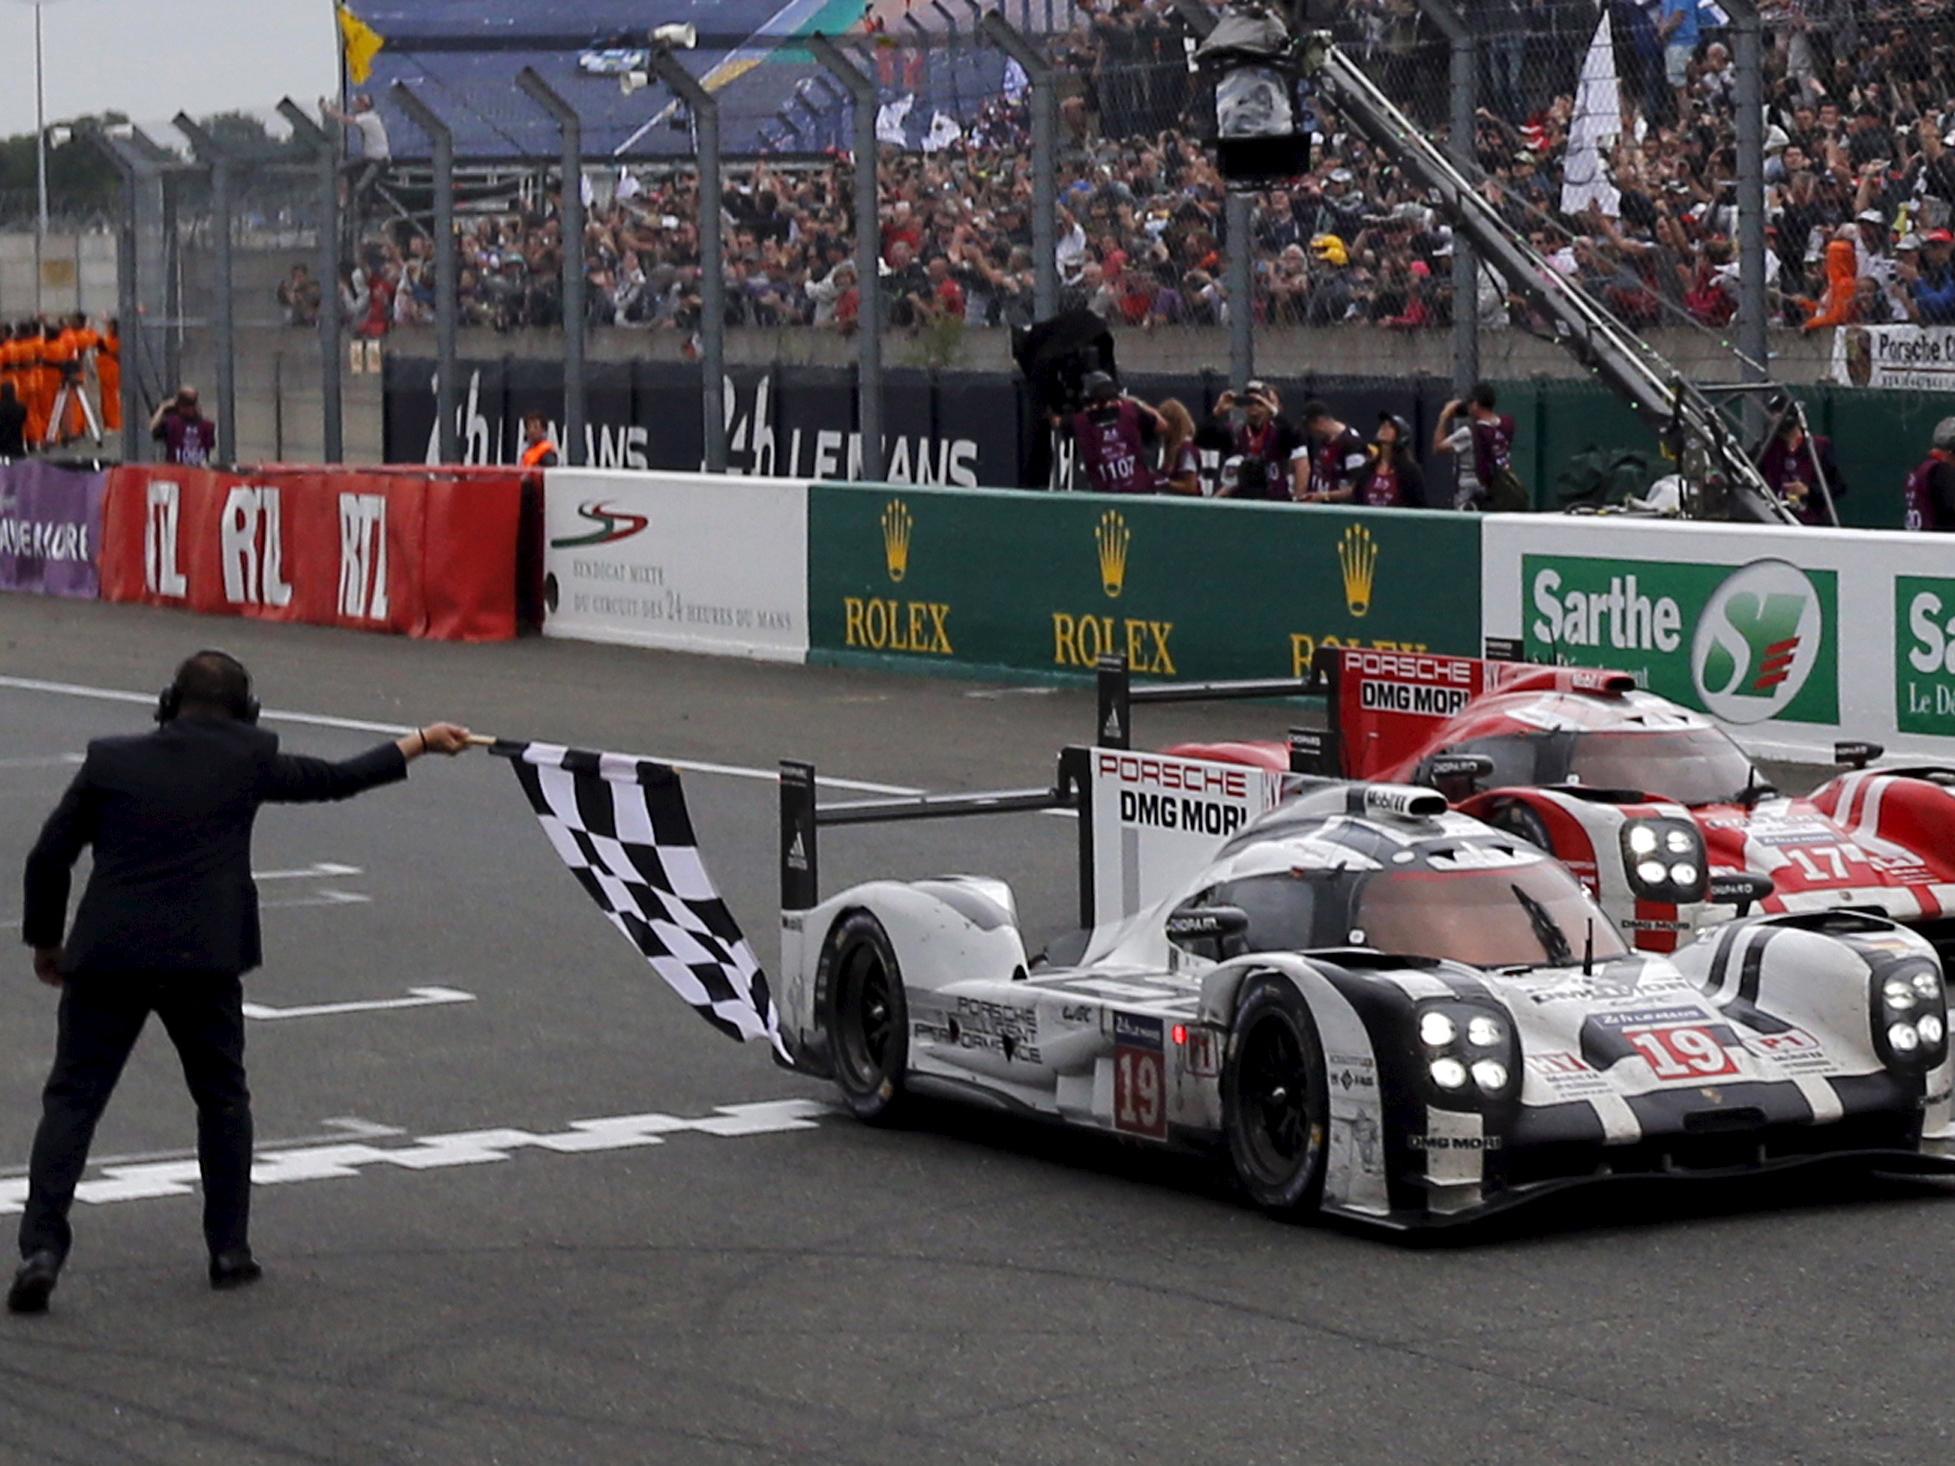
437,1152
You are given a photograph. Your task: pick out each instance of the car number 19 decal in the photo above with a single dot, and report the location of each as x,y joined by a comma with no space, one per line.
1139,1076
1681,1051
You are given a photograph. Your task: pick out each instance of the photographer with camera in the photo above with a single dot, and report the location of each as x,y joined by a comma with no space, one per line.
1114,434
187,436
1260,445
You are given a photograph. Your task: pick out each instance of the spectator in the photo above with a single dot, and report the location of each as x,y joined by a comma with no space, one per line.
187,436
1181,465
1263,446
1338,457
1677,26
361,173
1929,493
1475,434
299,296
1795,463
908,298
13,423
1932,285
1393,478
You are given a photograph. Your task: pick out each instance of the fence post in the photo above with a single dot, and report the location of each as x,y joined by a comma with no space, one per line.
1045,157
705,110
135,173
325,149
1753,345
868,253
1464,85
1241,247
571,192
447,285
219,162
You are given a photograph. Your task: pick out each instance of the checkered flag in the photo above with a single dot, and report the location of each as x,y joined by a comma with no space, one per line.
621,826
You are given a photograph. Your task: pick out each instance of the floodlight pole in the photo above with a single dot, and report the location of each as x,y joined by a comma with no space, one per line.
219,162
325,149
447,288
1045,157
571,191
705,109
868,253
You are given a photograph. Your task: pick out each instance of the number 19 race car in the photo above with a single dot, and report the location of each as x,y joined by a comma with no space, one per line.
1661,814
1374,1006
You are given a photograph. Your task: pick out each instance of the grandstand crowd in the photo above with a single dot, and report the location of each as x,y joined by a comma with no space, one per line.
1860,182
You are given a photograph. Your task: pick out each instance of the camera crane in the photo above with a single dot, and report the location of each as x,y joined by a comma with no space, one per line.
1721,477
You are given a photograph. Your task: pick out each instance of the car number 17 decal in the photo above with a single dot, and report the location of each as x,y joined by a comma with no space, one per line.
1139,1076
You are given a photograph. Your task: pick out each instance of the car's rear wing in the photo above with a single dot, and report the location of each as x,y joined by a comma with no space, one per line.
1114,727
1386,706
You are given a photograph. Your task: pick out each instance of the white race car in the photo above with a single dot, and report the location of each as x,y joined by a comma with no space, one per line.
1379,1008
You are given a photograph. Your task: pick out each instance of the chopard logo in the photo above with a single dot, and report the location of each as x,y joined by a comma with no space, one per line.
612,525
896,526
1114,539
1357,556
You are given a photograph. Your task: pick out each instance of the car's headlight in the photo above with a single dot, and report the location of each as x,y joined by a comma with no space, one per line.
1469,1052
1910,1015
1664,859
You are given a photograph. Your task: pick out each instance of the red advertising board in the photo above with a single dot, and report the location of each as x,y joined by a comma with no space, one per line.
419,553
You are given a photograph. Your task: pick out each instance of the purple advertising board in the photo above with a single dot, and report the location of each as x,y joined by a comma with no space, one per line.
50,529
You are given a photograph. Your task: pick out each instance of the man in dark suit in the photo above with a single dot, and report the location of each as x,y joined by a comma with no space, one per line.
168,925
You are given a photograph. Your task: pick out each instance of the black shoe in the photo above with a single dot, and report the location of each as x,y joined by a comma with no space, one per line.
234,1269
33,1282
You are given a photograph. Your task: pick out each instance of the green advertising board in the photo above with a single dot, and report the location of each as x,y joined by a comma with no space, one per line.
1746,643
1015,582
1924,655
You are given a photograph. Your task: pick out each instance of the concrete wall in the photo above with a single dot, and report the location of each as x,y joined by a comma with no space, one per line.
77,273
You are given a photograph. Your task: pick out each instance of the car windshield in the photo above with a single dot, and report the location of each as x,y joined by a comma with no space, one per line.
1691,766
1523,915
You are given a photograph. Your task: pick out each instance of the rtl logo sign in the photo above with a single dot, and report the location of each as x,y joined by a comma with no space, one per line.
162,569
252,548
363,556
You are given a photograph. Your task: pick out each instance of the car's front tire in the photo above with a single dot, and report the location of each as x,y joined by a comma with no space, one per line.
866,1018
1276,1099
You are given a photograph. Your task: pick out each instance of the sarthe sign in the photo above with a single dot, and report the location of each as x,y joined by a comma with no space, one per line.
1049,583
1905,358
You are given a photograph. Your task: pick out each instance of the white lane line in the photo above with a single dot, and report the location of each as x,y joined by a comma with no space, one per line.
304,873
360,725
324,898
339,1128
421,998
43,761
436,1152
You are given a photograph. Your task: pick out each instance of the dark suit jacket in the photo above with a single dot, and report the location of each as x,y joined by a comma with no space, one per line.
170,815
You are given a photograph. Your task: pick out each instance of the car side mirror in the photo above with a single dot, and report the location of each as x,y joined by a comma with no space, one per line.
1856,755
1740,888
1210,929
1456,775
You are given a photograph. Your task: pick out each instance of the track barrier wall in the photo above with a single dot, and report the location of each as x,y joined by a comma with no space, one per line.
51,529
423,553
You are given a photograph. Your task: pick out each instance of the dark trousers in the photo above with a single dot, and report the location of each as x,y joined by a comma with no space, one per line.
100,1019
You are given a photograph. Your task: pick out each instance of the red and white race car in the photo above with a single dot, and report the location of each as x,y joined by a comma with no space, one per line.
1658,811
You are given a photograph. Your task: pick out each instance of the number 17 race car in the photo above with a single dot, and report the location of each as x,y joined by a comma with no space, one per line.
1374,1006
1664,818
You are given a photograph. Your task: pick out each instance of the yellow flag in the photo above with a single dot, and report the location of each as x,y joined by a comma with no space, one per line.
362,44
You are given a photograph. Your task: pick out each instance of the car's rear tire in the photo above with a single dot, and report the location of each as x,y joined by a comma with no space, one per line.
1276,1099
866,1018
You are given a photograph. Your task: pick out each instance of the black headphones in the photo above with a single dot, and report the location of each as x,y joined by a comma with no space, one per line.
243,705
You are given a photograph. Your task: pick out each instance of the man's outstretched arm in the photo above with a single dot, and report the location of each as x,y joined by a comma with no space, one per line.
297,779
49,868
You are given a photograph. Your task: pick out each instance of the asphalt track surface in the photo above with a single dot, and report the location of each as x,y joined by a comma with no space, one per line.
812,1290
